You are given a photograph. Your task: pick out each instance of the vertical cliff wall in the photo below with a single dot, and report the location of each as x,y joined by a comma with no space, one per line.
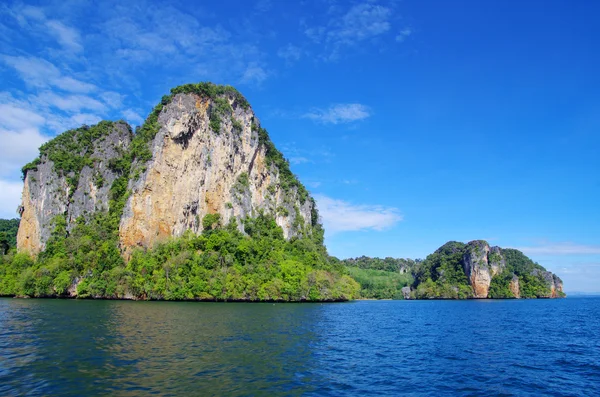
208,158
71,178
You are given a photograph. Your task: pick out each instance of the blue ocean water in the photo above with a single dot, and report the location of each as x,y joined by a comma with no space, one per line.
385,348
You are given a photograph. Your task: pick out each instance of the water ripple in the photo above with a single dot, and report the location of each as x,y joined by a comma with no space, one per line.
388,348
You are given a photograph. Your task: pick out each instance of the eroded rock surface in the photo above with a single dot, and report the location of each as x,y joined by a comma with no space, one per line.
48,193
195,171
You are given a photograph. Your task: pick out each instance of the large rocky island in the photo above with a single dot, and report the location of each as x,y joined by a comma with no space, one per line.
198,204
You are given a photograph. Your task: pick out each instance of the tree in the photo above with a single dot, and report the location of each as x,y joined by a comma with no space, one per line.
4,244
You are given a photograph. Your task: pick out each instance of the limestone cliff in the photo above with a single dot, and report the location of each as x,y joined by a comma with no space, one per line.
72,178
475,270
197,169
201,151
481,263
552,282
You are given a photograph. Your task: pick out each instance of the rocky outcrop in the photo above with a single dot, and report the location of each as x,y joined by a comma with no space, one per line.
50,191
207,154
496,261
481,263
195,171
553,283
515,287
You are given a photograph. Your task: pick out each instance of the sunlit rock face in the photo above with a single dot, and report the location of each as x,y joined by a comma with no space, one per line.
195,171
481,263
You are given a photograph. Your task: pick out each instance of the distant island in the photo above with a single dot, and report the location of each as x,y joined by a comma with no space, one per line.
198,204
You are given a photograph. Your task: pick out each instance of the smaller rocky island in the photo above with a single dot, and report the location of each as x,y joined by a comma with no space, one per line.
456,271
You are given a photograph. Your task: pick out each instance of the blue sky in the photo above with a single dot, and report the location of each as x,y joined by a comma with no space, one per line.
412,122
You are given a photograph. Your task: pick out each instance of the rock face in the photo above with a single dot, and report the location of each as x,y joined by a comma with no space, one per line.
481,263
552,281
47,191
515,287
208,155
195,171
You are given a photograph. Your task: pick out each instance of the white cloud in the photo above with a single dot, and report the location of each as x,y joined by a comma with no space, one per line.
35,19
359,24
84,118
114,100
340,113
254,74
33,71
403,35
20,136
10,198
37,72
70,103
18,148
290,53
14,117
65,35
299,160
132,117
72,85
341,216
561,248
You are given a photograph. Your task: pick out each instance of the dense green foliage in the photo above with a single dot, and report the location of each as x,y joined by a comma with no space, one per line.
518,263
441,274
380,284
499,286
220,264
397,265
8,232
72,150
287,179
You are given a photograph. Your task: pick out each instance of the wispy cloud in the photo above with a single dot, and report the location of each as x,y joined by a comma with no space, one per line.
299,160
561,248
403,35
342,216
362,23
132,116
9,199
340,113
39,73
68,37
35,19
21,137
290,53
254,74
70,103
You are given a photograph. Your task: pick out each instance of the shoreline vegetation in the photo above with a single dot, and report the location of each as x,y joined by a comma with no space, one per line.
183,270
240,254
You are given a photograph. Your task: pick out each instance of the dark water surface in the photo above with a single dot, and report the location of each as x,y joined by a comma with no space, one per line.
90,348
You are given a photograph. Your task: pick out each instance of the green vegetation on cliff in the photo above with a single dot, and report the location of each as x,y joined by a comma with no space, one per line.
380,278
442,275
8,234
220,264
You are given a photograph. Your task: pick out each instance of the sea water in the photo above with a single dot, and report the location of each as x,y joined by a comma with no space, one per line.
386,348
